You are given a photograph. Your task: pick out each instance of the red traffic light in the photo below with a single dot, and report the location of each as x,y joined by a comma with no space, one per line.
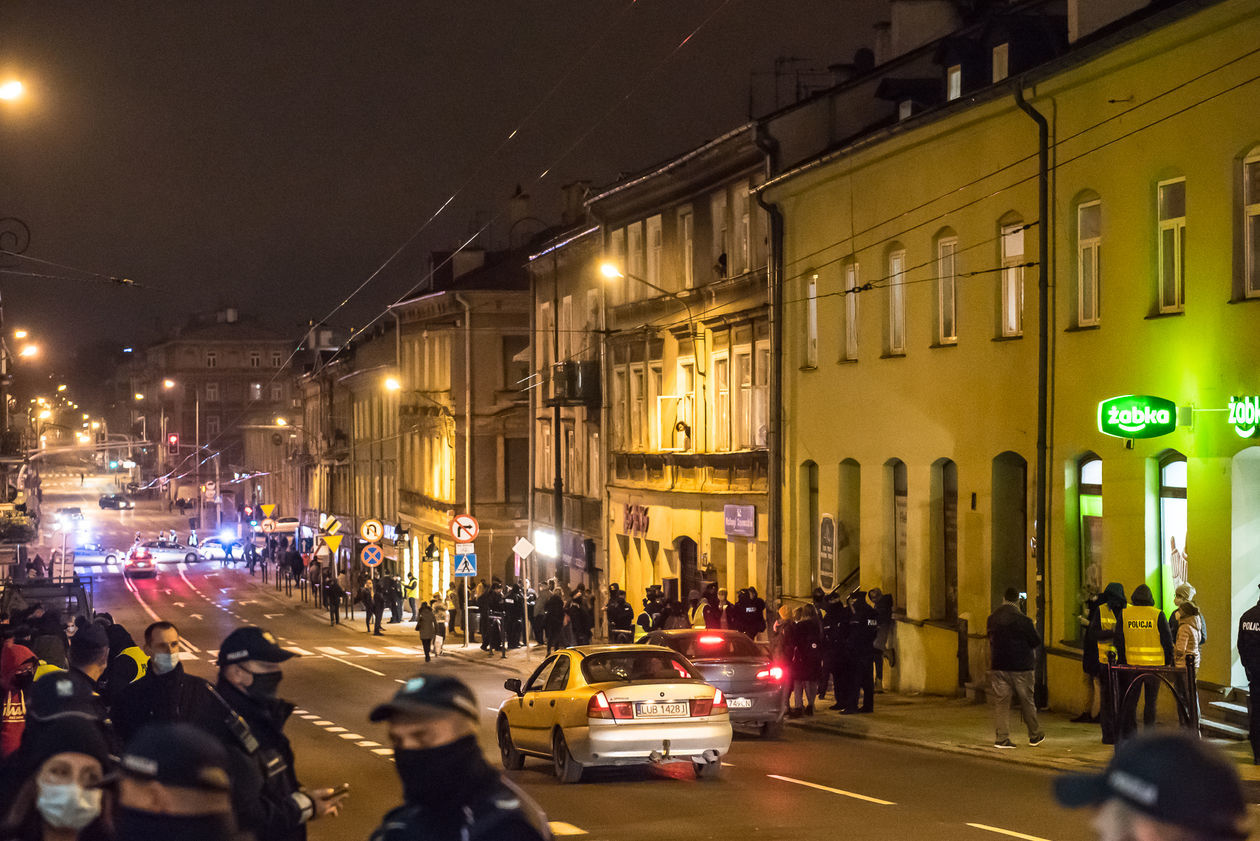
172,443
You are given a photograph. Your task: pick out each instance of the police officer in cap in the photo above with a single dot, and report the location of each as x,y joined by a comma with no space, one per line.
175,785
620,616
1166,787
451,792
245,715
1249,654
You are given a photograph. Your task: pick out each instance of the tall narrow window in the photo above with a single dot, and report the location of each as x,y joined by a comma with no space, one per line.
1173,511
947,291
277,359
811,324
851,280
1251,224
255,359
897,303
687,247
617,256
1172,246
656,386
722,402
212,392
743,398
566,329
619,409
255,391
953,79
1001,62
1089,490
1012,280
742,232
594,457
721,232
654,245
546,462
687,411
277,392
212,424
634,261
1088,263
761,395
546,336
212,359
638,406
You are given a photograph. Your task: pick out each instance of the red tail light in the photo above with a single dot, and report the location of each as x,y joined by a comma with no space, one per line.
600,707
711,639
709,706
774,673
719,702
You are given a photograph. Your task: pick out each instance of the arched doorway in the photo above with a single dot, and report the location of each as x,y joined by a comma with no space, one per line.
898,500
1244,546
945,540
1008,542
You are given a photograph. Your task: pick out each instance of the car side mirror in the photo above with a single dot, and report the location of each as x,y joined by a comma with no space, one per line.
513,684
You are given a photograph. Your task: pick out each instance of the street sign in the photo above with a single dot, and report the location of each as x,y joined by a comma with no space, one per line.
371,555
332,526
268,510
466,567
334,542
268,525
523,548
464,528
371,530
464,549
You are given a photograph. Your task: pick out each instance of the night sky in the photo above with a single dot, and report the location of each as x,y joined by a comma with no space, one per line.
272,155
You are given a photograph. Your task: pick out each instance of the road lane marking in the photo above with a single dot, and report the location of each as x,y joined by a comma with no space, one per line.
383,751
328,649
301,651
187,655
310,717
349,736
195,649
839,791
410,652
562,828
368,744
322,722
1012,833
362,649
355,665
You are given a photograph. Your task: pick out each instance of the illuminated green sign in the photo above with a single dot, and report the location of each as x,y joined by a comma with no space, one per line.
1244,414
1137,416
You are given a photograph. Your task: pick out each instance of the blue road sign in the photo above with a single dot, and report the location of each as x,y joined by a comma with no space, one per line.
371,555
466,566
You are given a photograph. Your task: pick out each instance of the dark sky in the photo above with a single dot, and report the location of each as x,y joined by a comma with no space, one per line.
272,155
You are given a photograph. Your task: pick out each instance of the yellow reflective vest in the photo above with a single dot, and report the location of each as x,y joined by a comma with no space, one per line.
1106,621
141,659
1142,646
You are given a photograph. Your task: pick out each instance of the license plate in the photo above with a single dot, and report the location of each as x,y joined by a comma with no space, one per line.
644,709
739,703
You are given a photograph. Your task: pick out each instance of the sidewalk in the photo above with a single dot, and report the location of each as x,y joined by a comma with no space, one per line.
951,725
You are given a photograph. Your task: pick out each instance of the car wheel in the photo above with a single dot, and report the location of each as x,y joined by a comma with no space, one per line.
708,770
111,559
190,558
513,759
568,769
772,729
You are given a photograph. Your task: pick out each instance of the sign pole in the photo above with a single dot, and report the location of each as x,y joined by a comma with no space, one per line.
467,634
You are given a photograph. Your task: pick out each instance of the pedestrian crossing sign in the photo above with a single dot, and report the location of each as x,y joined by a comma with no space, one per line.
466,567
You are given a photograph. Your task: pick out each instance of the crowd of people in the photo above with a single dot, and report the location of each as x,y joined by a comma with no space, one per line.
107,740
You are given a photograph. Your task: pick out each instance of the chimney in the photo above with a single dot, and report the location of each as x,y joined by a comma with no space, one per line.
574,211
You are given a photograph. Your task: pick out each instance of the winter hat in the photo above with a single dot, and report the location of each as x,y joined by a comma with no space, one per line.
1183,593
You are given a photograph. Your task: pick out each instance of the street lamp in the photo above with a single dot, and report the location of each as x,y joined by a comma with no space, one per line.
11,90
611,272
20,334
28,351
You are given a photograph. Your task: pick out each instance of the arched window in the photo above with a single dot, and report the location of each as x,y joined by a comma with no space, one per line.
1089,490
895,278
1011,239
1173,561
946,287
897,512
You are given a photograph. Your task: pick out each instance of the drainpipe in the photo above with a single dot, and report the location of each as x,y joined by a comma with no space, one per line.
1040,689
409,562
468,418
774,440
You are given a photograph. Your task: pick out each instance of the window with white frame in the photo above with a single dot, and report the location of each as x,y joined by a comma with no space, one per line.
277,392
947,290
852,273
593,458
255,359
687,247
761,394
1172,245
897,302
1001,62
617,256
1012,279
953,82
545,336
721,231
212,392
545,460
1088,262
572,478
743,234
566,328
638,406
656,385
654,245
1251,224
811,323
255,391
619,409
743,398
634,261
277,359
212,359
686,410
212,424
721,401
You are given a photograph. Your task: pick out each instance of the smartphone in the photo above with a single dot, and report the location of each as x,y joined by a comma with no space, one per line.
340,790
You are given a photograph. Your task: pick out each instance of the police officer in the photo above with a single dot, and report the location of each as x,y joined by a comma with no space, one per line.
620,616
1249,654
496,615
1107,626
166,692
128,664
1147,642
245,715
174,784
449,789
512,615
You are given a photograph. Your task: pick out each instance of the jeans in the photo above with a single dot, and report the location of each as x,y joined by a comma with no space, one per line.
1003,686
807,688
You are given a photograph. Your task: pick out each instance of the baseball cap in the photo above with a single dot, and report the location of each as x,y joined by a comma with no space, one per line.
1171,777
177,754
424,694
61,695
252,643
90,636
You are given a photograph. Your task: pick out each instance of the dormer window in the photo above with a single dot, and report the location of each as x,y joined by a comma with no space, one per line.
1001,59
953,82
905,109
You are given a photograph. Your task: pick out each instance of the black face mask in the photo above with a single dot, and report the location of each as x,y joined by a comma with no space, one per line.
265,685
445,776
132,823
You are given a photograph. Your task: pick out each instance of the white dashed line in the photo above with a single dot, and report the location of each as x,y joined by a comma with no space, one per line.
839,791
350,736
1012,833
368,744
383,751
300,651
322,723
328,649
310,716
187,655
335,729
365,650
410,652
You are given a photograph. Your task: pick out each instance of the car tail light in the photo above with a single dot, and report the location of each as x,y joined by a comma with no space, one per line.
600,707
774,673
701,707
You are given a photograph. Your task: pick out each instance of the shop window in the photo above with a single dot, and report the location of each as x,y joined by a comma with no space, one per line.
1172,246
944,514
1089,490
1173,561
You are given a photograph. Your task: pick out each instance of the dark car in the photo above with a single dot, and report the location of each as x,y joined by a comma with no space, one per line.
116,501
755,687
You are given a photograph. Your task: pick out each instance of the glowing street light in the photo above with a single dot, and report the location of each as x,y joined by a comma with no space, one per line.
45,414
20,334
61,387
610,271
11,90
28,351
281,422
139,396
168,384
85,415
392,384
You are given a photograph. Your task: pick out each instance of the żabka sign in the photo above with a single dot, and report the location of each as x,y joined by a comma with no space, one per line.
1137,416
1244,414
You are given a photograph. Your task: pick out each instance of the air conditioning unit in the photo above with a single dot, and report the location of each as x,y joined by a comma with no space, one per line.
588,383
564,381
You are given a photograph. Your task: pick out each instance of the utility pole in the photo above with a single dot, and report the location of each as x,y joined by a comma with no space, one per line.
557,434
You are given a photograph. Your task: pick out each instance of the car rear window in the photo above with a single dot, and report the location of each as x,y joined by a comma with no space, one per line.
713,646
635,666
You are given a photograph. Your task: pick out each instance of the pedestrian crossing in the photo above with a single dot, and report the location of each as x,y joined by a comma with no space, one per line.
349,651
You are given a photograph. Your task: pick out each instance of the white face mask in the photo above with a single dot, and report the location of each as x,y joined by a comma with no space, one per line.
68,805
163,662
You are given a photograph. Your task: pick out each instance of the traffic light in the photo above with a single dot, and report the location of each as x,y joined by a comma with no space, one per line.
172,443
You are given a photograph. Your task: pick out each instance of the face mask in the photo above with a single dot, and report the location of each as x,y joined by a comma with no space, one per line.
163,663
265,684
68,805
132,823
441,776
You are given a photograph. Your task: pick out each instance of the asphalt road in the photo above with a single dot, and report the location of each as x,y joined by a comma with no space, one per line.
802,786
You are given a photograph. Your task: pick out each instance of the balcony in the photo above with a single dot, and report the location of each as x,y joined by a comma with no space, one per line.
743,471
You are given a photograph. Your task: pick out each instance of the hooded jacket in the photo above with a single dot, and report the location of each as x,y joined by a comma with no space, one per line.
1142,597
1112,601
14,659
1013,640
1189,634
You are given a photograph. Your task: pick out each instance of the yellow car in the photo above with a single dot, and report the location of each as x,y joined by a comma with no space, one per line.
604,705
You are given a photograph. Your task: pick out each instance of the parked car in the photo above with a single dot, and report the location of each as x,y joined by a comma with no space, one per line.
140,562
97,553
167,551
115,501
755,687
606,705
216,549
